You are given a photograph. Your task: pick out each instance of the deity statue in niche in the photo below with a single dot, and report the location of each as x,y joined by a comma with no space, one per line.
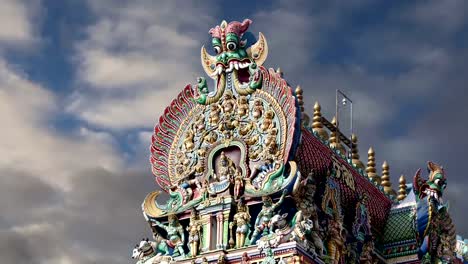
226,168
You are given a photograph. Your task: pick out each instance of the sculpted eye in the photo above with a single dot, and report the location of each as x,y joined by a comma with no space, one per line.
231,45
217,49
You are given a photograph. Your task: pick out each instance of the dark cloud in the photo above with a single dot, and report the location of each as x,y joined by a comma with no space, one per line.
101,215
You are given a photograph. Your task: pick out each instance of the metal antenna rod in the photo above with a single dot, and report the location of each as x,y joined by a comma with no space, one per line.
346,99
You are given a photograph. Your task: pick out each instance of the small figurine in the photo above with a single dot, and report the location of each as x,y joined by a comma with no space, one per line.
194,230
242,106
200,123
188,141
268,121
228,104
200,165
211,137
238,183
246,128
245,259
242,220
204,260
221,259
257,109
214,114
271,138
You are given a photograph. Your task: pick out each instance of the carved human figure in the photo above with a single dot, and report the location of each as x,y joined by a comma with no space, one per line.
267,121
245,259
228,104
262,223
214,114
200,165
257,109
189,143
242,106
221,259
303,193
336,240
238,183
175,233
194,230
271,138
211,137
226,168
242,222
200,123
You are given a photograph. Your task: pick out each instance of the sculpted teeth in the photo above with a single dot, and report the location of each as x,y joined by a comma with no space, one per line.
230,67
244,65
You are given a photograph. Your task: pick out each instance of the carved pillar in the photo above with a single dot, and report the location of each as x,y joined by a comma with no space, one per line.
206,235
219,230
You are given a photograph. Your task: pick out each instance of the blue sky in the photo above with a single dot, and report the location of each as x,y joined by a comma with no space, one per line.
82,84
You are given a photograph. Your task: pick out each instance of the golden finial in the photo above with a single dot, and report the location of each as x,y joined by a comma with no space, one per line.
335,140
355,153
278,70
402,190
300,98
317,125
370,170
387,185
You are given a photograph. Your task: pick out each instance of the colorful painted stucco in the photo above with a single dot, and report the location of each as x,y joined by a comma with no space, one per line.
247,178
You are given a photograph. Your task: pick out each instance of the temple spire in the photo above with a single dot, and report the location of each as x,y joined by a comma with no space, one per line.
355,153
386,184
370,170
300,98
402,189
317,125
335,140
300,101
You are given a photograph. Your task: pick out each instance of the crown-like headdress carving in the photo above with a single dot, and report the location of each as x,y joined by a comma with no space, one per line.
235,27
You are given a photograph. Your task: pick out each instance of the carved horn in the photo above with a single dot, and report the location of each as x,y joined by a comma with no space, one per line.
207,61
245,25
259,51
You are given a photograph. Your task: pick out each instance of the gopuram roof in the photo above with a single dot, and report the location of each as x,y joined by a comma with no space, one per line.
248,177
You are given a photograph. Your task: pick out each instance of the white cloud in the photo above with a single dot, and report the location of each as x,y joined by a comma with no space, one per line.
16,22
29,144
134,60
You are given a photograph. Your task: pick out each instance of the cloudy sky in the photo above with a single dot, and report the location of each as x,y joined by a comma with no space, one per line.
82,84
